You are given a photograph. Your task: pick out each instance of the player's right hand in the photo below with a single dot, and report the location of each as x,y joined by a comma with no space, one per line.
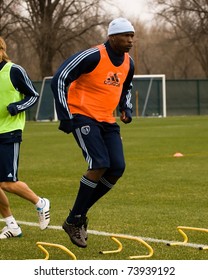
66,126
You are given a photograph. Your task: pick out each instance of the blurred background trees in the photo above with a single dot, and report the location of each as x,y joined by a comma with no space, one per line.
41,34
185,27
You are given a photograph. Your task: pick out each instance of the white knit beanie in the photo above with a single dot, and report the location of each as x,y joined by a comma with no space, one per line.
120,25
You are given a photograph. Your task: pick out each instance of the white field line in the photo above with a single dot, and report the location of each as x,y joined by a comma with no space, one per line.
103,233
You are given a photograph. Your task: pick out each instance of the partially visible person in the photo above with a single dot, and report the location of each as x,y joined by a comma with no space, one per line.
99,80
17,94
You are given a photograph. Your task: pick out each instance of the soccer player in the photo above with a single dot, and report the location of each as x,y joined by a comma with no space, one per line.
99,79
17,94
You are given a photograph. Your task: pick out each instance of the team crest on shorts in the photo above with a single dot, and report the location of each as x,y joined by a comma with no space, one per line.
85,129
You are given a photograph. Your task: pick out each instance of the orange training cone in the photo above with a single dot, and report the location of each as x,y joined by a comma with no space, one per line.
178,155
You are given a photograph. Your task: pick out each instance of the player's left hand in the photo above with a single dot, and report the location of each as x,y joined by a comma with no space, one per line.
125,117
12,109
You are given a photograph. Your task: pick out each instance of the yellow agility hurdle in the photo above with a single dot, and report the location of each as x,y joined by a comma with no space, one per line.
185,237
59,246
120,247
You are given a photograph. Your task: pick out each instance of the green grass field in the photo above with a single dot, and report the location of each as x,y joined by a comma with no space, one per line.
157,192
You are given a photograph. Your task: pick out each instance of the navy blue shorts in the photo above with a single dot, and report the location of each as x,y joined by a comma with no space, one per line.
101,144
9,160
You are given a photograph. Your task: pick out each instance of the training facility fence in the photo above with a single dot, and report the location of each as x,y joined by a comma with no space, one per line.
182,97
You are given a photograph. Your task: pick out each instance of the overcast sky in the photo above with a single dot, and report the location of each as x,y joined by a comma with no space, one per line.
134,8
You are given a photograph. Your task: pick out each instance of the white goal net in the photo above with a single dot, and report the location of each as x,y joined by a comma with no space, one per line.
150,95
46,105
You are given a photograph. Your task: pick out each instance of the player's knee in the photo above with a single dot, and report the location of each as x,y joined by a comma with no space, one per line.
121,170
8,186
117,170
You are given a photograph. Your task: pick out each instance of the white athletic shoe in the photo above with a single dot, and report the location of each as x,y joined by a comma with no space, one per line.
8,232
44,214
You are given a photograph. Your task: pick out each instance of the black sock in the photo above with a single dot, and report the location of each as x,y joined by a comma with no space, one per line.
102,188
85,192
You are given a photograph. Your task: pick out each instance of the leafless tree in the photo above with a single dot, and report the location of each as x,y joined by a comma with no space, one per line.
7,22
189,20
53,25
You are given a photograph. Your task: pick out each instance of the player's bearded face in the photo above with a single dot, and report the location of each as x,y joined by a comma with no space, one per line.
123,42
